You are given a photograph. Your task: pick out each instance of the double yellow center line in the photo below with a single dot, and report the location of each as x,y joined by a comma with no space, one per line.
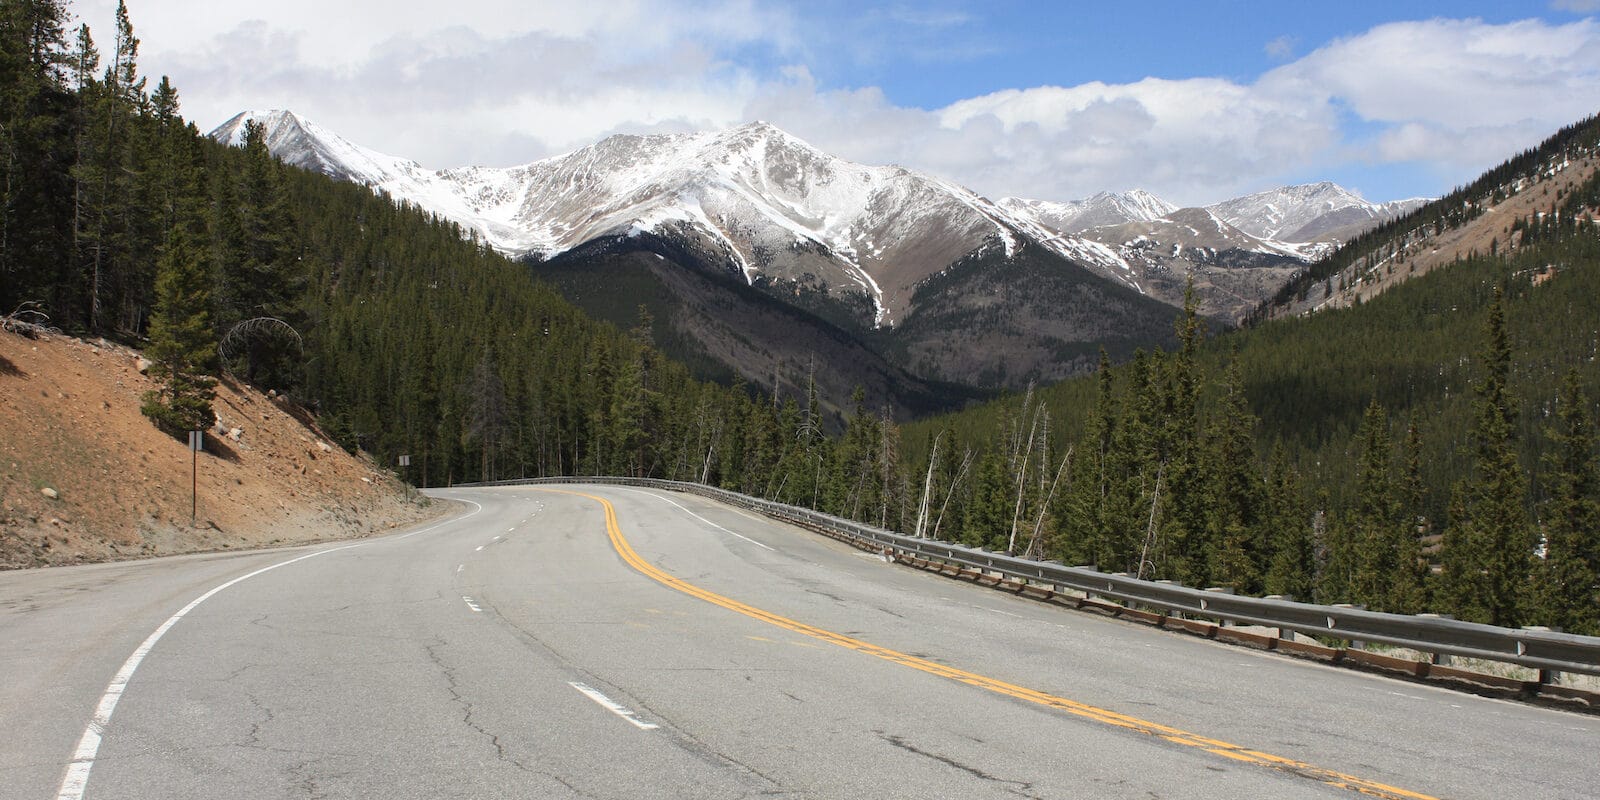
1101,715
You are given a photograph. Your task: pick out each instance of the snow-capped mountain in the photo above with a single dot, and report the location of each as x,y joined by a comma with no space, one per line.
963,289
1105,208
1312,212
1159,253
766,203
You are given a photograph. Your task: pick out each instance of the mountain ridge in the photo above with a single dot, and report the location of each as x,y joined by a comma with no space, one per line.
771,206
855,247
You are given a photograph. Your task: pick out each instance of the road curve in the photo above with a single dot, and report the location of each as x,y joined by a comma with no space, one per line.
602,642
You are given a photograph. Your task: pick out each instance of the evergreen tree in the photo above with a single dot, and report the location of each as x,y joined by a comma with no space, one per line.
1377,527
261,268
1488,549
182,351
988,513
1187,555
487,413
1233,498
1293,551
36,149
1410,589
1567,581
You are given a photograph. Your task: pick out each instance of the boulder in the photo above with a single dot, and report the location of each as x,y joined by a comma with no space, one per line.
49,493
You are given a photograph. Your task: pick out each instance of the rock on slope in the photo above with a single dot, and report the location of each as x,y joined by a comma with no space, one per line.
70,423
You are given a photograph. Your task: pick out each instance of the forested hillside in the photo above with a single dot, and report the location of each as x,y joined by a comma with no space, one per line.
1395,250
1430,449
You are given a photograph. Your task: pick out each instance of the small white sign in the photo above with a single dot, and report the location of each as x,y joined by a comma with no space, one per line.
405,461
197,441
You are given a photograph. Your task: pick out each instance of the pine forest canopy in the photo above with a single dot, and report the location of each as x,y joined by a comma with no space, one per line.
1430,449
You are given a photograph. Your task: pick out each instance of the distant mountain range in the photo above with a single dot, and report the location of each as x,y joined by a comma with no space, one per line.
938,279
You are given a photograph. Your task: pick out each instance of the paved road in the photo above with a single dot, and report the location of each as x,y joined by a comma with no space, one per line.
527,649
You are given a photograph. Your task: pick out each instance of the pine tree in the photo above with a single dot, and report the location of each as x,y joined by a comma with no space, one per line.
488,413
988,512
260,268
1233,494
1178,457
1410,590
1377,528
36,147
182,350
1488,549
1293,549
1567,581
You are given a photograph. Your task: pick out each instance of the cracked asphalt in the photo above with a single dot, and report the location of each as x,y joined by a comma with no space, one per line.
448,664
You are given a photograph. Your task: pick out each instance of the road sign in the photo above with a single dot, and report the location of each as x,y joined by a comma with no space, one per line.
405,461
197,441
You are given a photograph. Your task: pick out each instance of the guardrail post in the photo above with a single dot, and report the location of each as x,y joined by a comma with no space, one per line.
1283,633
1221,622
1172,613
1437,659
1546,676
1355,644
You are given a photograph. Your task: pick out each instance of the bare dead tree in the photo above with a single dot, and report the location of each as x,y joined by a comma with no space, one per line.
27,320
927,486
1150,531
1038,523
244,332
1020,460
966,461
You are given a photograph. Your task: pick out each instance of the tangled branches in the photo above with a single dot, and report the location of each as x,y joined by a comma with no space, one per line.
27,320
240,336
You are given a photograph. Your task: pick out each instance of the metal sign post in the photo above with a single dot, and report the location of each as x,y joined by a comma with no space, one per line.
197,441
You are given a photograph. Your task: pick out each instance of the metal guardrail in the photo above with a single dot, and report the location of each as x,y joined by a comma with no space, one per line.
1539,649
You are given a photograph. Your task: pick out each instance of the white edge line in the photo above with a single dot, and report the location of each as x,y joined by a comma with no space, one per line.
76,781
698,517
446,522
612,706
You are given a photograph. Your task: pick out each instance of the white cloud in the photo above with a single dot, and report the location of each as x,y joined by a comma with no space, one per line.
1281,48
503,81
1455,73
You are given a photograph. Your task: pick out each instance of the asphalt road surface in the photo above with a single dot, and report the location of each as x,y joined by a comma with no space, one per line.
604,642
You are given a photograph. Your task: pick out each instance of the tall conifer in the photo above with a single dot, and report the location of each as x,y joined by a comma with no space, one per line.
1567,581
1488,548
182,349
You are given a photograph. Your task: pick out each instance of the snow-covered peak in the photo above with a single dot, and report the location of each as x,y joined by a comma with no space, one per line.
1305,213
759,200
300,142
1105,208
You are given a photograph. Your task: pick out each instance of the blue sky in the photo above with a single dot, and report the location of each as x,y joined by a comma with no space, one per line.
1053,100
1013,44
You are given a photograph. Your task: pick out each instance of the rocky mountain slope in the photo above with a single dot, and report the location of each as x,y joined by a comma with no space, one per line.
1237,252
1312,212
1549,184
85,477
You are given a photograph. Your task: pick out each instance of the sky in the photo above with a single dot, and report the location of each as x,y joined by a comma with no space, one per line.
1193,101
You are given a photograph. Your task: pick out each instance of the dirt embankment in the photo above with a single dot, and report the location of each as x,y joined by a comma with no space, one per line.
85,477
